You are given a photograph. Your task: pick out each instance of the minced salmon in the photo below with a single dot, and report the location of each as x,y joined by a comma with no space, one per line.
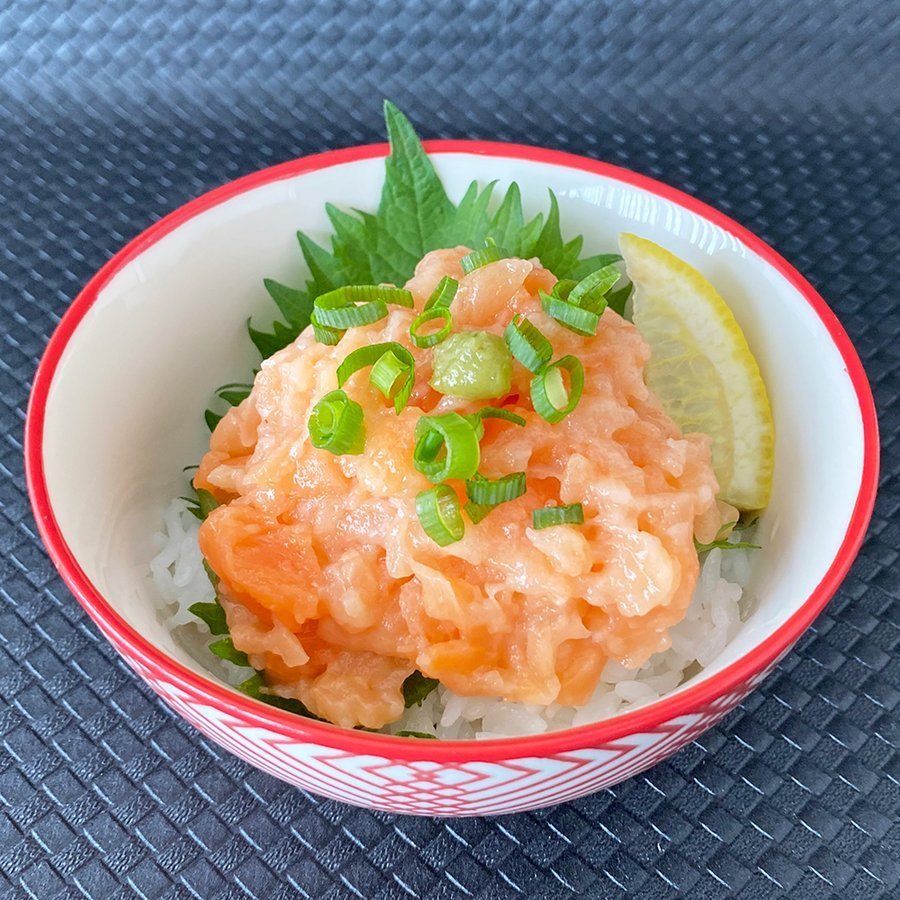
332,587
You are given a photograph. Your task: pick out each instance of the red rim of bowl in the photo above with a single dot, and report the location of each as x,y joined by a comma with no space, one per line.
206,691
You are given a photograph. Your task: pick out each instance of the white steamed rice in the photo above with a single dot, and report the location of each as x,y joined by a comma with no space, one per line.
712,620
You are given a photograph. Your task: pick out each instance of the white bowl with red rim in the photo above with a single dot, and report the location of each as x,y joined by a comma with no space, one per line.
116,412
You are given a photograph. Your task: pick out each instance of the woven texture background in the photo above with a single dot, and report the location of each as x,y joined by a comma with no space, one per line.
783,114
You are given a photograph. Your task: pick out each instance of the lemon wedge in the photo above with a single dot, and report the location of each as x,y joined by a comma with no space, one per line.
702,370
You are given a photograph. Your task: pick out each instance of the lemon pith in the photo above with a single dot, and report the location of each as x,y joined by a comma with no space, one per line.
702,369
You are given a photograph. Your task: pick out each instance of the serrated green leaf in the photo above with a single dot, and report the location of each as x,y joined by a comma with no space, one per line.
350,246
752,522
470,222
507,224
267,343
212,614
295,305
589,264
416,688
226,650
206,501
389,261
549,247
617,299
568,258
724,545
327,272
417,734
253,687
528,237
234,394
212,419
415,209
211,575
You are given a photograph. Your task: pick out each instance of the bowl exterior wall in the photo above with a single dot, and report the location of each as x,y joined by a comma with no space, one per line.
431,788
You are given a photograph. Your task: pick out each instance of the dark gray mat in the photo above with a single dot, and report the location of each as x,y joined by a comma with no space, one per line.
783,114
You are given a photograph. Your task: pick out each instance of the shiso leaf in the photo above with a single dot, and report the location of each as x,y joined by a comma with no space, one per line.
233,394
225,649
617,299
722,543
201,504
255,686
212,419
327,272
295,305
415,215
213,615
416,688
417,734
470,222
589,264
415,209
725,545
508,221
559,257
349,245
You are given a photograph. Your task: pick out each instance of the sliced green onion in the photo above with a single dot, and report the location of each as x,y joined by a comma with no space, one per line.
395,296
444,294
389,362
358,304
492,492
498,412
323,334
493,412
573,514
477,511
336,424
429,315
527,344
439,514
590,292
446,447
549,396
563,288
575,318
478,258
391,376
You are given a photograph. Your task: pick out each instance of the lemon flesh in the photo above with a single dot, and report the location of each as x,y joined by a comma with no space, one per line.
702,370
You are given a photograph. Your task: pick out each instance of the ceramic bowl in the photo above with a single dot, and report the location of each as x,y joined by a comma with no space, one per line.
115,414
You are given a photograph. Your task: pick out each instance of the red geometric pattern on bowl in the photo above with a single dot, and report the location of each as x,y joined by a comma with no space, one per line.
441,788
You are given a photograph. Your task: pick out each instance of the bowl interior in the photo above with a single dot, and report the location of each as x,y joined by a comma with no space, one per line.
124,412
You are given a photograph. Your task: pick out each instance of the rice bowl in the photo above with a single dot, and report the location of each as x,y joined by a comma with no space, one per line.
192,269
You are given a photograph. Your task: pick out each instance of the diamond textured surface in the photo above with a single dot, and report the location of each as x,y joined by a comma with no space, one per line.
785,115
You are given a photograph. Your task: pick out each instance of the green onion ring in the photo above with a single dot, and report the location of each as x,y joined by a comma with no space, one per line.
358,304
549,396
573,514
385,377
478,258
492,492
439,514
457,437
527,344
336,424
429,340
443,295
575,318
